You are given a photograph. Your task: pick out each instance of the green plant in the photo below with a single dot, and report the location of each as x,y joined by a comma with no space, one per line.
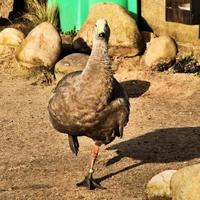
197,74
189,58
72,32
161,67
187,64
40,12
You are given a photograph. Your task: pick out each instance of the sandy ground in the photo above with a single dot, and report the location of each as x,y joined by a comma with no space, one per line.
36,162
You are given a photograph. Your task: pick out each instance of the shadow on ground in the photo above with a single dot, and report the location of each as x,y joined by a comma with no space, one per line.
135,88
161,146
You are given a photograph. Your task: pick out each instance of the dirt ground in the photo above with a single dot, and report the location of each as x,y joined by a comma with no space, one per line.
36,162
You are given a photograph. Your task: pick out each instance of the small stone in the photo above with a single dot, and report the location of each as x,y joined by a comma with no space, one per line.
11,37
159,185
160,50
5,8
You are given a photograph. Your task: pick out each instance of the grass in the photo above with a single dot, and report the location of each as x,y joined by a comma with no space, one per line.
41,12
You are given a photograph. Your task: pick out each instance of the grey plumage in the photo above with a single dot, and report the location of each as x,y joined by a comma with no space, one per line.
91,103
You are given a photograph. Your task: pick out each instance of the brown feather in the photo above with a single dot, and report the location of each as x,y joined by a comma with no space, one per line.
92,102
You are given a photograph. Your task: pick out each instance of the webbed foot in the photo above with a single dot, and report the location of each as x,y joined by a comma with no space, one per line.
90,183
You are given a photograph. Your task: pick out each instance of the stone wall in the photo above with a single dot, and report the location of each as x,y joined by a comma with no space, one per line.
153,12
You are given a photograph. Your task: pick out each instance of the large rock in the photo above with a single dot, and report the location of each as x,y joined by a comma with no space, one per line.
11,36
160,50
70,63
159,186
42,47
125,38
185,183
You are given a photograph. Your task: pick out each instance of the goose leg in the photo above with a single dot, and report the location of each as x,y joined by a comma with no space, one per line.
89,182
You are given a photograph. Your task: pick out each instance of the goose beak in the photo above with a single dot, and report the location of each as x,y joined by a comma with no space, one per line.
102,34
101,30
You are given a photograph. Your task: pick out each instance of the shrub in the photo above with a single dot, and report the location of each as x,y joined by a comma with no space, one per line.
187,64
41,12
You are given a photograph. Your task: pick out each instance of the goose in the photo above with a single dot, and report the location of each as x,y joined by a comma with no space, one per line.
91,102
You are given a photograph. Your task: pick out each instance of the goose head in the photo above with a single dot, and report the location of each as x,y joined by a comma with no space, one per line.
101,30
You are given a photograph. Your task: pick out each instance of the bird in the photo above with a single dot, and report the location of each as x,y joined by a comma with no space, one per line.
91,102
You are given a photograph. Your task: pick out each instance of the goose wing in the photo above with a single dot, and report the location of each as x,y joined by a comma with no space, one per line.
66,80
119,99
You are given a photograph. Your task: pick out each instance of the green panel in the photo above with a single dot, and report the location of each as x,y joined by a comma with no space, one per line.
122,3
133,8
73,13
83,9
68,13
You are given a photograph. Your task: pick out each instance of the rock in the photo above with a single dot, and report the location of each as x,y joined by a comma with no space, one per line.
42,47
160,50
70,63
11,36
125,38
185,183
159,186
5,8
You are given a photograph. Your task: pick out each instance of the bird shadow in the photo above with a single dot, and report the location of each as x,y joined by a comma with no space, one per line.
159,146
135,88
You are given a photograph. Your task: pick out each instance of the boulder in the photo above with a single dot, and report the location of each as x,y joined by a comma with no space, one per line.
11,36
160,50
70,63
42,47
185,183
159,186
5,8
125,38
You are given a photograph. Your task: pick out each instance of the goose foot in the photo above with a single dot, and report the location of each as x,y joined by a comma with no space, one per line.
90,183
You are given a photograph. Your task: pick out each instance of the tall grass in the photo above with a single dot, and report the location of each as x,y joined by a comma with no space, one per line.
41,12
